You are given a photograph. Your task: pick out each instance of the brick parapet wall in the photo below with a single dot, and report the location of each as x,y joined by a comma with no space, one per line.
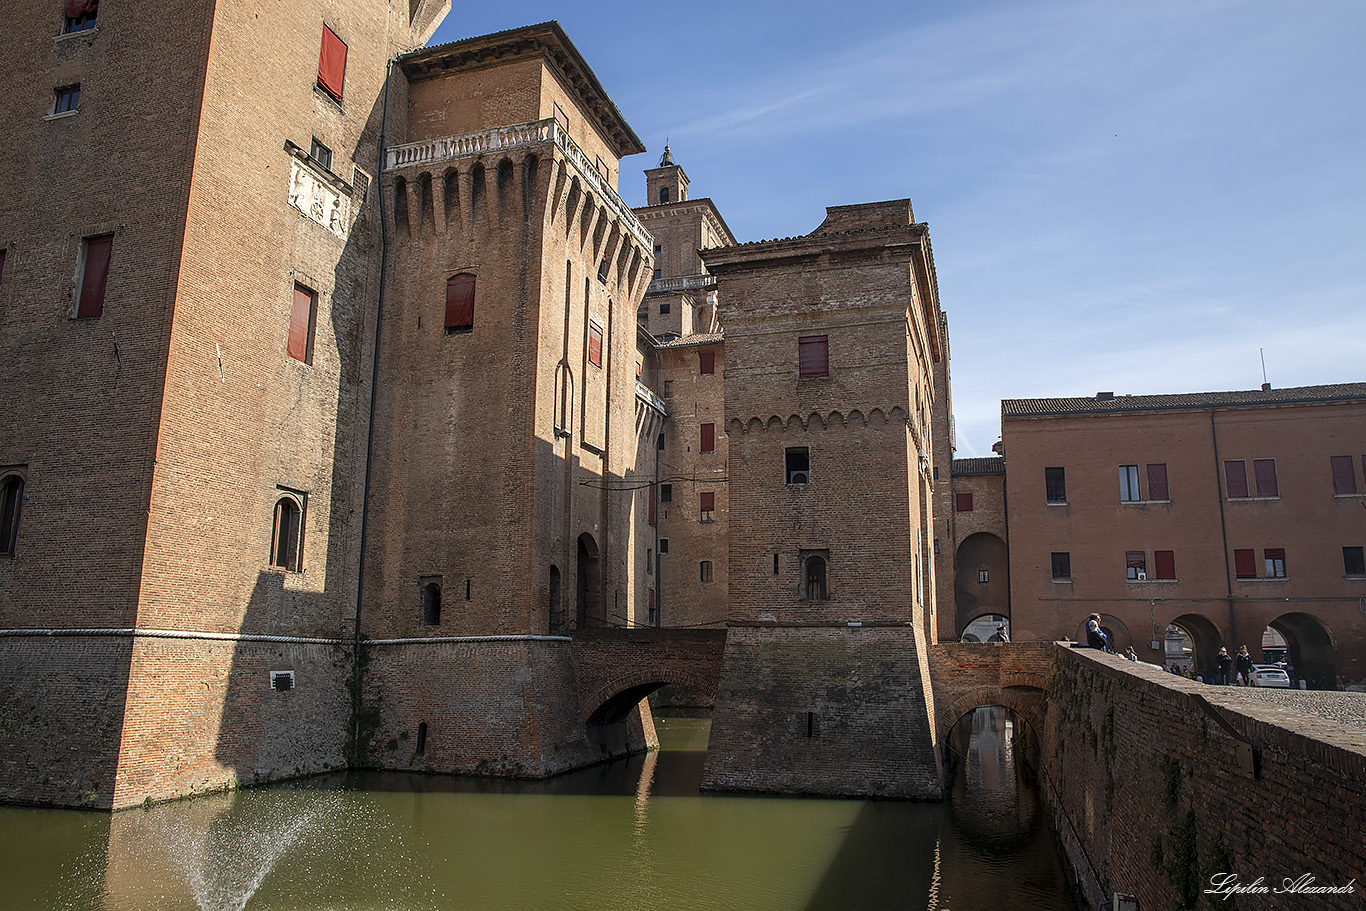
1150,794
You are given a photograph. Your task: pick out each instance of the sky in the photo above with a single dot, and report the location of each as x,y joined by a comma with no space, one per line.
1133,198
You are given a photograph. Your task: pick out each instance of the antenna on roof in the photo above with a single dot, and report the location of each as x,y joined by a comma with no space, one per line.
1266,386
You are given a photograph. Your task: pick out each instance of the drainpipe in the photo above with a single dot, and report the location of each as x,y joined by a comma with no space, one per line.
370,430
1223,527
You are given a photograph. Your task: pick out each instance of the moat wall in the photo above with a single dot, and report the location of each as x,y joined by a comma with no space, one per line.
1156,783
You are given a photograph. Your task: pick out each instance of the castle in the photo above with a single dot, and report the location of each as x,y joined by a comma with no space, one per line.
338,413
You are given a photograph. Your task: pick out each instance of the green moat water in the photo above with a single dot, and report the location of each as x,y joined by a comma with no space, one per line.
630,835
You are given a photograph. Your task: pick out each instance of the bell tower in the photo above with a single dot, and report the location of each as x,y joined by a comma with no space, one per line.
666,183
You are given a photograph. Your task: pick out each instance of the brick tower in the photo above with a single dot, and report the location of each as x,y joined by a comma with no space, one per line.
831,340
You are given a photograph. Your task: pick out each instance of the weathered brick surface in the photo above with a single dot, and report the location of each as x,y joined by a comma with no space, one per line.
1149,792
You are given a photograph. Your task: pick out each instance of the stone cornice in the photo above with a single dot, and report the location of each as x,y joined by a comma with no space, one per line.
700,206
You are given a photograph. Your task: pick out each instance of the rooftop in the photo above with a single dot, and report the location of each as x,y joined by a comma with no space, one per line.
1108,403
989,465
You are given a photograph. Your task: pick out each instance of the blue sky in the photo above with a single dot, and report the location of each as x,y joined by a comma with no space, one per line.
1123,197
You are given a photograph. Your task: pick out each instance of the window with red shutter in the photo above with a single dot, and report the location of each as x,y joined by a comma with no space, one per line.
94,276
80,15
594,344
460,303
1275,562
1344,471
1164,564
1235,478
303,320
332,64
813,356
1245,563
708,437
707,505
962,502
708,361
1157,481
1136,565
1264,470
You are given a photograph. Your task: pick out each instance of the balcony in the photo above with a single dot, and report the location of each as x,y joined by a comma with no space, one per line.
683,283
518,136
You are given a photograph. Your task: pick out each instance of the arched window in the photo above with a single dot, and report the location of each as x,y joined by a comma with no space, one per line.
815,579
11,497
286,542
704,571
663,195
431,602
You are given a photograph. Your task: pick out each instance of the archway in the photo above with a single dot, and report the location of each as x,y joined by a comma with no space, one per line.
1199,650
1115,631
989,784
987,628
981,581
589,584
1311,649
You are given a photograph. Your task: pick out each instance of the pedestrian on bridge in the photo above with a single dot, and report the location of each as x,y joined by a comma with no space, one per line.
1225,667
1244,667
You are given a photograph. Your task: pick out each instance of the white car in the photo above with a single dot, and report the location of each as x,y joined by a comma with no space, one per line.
1269,675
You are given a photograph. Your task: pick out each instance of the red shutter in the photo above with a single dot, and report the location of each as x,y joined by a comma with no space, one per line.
1245,564
332,64
708,501
459,303
97,251
653,499
652,603
1235,478
708,437
708,359
813,356
962,502
594,345
1344,472
1136,559
75,9
1264,470
301,325
1157,481
1165,564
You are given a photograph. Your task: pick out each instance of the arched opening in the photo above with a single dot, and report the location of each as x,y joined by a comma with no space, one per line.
991,790
431,603
589,600
987,628
11,498
1311,650
981,579
816,588
424,199
476,193
1191,645
663,195
530,165
450,196
1116,633
504,178
421,738
553,608
287,537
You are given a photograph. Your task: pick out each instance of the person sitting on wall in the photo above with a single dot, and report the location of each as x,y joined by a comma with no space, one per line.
1095,636
1244,666
1131,654
1225,667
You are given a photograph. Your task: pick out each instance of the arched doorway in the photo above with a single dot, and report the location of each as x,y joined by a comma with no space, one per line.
589,583
981,581
1115,631
1196,648
987,628
1311,650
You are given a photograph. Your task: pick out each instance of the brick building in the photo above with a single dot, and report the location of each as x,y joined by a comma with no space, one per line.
831,341
1220,513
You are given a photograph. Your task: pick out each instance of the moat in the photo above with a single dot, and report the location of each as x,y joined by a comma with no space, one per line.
633,834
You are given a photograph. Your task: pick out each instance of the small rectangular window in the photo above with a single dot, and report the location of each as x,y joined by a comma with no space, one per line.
1344,474
704,571
708,437
663,305
66,99
1062,566
1164,564
707,505
962,502
707,362
80,15
1245,563
321,154
1128,484
666,493
1055,485
1275,562
95,253
1135,565
813,356
303,321
1157,481
561,117
332,64
983,575
594,344
1235,479
1264,470
460,303
1354,561
797,464
663,546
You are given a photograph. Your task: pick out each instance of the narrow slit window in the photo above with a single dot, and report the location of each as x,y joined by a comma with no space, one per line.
95,256
303,323
11,499
421,738
595,344
431,602
286,543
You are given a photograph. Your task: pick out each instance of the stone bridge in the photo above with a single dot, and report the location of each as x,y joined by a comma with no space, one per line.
616,668
965,675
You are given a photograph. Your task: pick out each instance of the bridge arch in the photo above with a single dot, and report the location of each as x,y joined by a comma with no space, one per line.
613,701
1025,700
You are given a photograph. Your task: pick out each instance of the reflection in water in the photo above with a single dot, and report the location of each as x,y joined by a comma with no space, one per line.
629,835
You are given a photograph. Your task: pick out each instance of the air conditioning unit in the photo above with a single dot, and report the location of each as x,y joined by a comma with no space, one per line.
1142,576
799,477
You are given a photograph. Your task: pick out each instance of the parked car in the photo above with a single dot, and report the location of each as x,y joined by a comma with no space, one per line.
1269,675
